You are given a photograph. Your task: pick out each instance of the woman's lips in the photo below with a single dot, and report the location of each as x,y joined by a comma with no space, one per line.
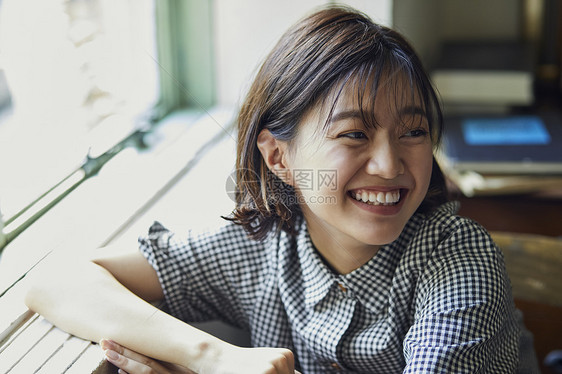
374,197
371,200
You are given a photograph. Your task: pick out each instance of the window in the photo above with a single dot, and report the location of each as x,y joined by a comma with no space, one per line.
74,78
87,77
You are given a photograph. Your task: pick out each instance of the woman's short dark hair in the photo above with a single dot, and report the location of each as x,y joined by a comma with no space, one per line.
318,55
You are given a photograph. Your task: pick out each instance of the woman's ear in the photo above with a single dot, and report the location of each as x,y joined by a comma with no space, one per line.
274,153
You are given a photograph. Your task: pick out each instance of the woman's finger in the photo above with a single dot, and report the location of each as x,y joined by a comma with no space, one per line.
130,361
113,346
286,362
126,364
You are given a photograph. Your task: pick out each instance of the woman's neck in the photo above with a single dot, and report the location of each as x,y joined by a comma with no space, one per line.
342,253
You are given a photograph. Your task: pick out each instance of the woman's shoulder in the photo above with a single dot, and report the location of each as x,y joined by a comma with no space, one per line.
450,253
443,235
443,223
221,238
444,219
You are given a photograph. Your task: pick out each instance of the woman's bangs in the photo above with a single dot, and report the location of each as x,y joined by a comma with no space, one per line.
393,74
405,87
395,79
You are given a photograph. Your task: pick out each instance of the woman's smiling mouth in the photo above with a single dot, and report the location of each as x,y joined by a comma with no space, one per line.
386,198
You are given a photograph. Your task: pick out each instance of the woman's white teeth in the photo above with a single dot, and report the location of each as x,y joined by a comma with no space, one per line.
377,198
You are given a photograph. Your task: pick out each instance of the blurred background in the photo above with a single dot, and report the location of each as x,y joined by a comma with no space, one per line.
77,74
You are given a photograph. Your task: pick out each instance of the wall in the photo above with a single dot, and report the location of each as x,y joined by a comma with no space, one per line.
246,30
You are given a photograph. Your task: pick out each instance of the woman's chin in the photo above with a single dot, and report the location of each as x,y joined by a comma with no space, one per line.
377,238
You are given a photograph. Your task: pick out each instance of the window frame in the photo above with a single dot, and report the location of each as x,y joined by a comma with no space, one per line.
183,37
185,52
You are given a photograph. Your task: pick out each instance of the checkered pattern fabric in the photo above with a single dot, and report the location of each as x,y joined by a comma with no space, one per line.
436,300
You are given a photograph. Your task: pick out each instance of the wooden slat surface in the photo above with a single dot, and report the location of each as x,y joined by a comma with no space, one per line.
13,312
65,356
12,328
29,343
41,352
23,342
90,361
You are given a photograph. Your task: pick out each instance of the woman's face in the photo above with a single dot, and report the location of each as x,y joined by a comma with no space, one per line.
359,184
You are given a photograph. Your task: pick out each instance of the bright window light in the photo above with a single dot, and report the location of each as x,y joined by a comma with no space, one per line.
74,74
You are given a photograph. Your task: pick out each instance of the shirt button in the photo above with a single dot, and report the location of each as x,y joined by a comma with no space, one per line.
335,366
342,287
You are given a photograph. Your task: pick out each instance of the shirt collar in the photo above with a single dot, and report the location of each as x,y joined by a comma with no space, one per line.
317,277
370,284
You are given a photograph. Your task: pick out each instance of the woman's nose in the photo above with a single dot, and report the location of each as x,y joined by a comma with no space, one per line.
385,161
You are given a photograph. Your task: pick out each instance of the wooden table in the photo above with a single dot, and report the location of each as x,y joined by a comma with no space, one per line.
199,151
36,346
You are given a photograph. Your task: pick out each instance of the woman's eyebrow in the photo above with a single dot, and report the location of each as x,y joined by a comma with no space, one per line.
345,114
412,110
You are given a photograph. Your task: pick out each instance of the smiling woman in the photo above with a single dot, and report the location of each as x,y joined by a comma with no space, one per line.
393,282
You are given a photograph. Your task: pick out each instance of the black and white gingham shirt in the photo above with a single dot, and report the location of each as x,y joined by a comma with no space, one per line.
436,300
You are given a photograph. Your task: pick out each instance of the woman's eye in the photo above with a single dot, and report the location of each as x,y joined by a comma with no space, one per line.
416,133
354,135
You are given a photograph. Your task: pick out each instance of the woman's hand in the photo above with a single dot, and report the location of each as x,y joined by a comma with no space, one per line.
233,360
130,362
238,360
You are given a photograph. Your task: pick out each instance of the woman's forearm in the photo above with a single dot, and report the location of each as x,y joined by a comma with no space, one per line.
88,302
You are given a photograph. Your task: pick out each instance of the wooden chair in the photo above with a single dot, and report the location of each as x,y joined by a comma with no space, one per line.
534,264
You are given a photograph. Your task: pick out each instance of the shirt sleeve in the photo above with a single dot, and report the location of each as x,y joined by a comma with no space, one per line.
464,313
199,274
